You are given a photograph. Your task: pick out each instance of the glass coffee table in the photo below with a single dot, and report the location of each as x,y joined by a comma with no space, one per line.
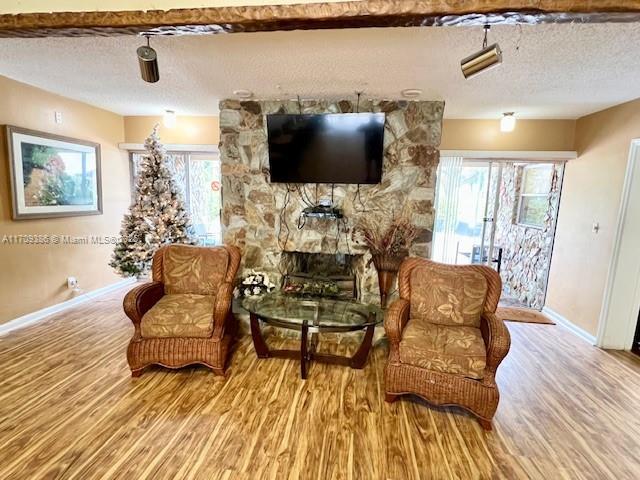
312,315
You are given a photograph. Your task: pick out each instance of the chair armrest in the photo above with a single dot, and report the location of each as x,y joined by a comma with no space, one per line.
222,308
497,340
140,299
395,320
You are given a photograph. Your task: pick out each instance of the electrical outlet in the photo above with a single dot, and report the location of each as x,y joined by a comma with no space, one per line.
57,116
595,228
72,283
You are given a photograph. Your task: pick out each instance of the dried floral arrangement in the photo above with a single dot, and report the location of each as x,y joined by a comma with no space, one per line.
389,235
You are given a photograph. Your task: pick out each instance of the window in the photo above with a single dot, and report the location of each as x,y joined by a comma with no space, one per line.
535,189
198,177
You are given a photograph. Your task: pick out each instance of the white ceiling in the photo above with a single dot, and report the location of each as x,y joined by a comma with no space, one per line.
549,71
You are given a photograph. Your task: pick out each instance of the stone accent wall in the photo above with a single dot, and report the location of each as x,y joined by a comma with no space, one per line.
254,216
526,251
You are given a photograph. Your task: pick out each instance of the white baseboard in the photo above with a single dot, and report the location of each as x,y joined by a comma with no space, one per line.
572,327
31,318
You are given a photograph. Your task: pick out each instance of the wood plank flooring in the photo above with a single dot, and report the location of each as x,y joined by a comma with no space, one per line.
69,409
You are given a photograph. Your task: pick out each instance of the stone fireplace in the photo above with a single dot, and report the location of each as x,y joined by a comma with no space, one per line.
264,219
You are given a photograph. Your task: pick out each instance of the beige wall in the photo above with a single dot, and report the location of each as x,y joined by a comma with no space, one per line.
34,276
188,130
533,135
591,192
530,135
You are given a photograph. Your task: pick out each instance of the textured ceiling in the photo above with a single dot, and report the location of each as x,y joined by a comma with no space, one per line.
549,71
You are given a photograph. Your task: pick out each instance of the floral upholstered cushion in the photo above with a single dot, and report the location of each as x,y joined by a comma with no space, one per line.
442,294
442,348
198,270
179,315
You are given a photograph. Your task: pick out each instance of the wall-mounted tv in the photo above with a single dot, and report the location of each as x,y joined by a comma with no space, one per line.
327,148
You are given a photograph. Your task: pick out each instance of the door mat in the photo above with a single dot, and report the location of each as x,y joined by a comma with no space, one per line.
525,315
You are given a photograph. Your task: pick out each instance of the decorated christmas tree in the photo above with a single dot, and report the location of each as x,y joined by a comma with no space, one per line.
157,216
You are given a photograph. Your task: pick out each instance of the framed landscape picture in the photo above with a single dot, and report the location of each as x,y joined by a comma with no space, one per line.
53,176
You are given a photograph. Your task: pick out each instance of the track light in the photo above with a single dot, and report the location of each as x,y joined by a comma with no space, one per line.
148,60
488,57
507,122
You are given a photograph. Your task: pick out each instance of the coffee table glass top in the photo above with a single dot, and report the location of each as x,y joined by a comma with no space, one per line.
322,313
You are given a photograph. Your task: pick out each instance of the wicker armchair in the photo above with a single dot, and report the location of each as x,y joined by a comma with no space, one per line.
184,315
445,341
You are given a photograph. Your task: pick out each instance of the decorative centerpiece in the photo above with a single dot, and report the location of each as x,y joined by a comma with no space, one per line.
388,239
252,285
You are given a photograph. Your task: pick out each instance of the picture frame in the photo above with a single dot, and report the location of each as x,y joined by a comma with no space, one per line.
52,175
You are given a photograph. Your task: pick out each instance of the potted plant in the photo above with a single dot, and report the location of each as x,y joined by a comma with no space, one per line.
388,239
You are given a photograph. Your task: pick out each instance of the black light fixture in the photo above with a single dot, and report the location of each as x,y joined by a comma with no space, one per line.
488,57
148,60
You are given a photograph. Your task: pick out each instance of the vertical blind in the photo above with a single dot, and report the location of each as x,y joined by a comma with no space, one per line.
449,176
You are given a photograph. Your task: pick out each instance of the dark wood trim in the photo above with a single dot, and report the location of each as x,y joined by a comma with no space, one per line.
353,14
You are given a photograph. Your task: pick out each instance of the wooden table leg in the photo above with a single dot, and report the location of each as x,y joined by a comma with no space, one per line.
313,344
304,353
262,350
359,359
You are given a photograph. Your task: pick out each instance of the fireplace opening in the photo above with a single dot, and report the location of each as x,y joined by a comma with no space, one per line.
336,274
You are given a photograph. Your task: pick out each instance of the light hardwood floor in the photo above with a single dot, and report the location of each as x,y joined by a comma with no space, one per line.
69,409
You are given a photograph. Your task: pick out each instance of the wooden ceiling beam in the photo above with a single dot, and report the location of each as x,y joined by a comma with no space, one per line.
353,14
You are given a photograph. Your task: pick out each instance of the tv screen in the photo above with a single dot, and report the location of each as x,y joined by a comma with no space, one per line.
328,148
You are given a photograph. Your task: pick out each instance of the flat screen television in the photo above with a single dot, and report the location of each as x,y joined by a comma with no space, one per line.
327,148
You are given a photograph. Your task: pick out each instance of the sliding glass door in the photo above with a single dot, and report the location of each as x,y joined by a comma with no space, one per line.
502,214
205,200
466,203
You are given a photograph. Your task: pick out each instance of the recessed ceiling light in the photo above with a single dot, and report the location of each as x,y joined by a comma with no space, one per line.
411,92
243,93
